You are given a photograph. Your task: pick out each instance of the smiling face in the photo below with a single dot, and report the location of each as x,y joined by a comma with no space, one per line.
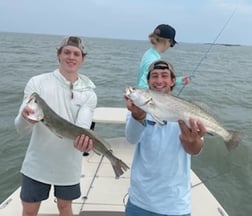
70,58
161,77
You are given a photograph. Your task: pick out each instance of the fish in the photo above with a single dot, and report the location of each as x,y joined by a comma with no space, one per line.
166,107
65,129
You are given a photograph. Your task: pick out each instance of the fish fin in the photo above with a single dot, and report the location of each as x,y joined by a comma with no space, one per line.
209,110
158,120
209,133
150,101
200,104
234,141
52,130
96,151
119,168
155,117
58,135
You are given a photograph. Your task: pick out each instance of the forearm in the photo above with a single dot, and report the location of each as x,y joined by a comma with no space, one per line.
133,130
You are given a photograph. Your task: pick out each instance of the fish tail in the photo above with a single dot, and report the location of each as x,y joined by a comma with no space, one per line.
234,141
119,167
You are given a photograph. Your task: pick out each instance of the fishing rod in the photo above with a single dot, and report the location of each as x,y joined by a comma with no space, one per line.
208,50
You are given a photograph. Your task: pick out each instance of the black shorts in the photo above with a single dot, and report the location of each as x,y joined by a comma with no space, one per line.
35,191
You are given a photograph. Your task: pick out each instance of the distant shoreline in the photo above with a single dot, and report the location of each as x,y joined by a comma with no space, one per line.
223,44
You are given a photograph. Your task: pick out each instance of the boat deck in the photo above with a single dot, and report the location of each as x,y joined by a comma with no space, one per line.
103,195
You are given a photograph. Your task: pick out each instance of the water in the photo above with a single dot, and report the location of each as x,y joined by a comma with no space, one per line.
222,82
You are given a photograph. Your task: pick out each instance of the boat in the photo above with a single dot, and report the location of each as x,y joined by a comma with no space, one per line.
102,193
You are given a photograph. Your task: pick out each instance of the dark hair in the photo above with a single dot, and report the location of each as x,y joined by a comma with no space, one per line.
59,50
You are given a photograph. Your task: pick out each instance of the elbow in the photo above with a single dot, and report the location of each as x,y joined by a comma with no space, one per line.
130,141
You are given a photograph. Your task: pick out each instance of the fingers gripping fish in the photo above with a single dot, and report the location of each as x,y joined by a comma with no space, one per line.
65,129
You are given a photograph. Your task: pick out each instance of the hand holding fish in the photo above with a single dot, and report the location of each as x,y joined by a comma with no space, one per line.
165,107
83,143
191,137
83,139
31,114
136,112
27,114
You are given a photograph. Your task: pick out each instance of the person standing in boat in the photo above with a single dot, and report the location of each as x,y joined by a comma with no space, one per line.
162,38
50,160
160,173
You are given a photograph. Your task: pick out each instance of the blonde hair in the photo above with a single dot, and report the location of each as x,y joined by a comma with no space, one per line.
155,39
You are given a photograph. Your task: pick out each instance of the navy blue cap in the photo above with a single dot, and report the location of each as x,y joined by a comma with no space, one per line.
167,32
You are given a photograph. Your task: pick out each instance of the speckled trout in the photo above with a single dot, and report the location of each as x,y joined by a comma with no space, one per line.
165,107
65,129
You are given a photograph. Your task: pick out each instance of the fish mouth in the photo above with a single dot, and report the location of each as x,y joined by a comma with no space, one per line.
129,90
30,99
38,114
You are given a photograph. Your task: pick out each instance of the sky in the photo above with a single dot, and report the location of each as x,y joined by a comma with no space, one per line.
195,21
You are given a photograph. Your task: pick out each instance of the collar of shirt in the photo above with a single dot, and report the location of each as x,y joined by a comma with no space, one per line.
81,84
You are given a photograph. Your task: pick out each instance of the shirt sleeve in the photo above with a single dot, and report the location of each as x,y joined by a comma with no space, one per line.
21,125
133,130
143,72
85,114
179,80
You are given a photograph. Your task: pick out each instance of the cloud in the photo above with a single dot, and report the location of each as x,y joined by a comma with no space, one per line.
196,21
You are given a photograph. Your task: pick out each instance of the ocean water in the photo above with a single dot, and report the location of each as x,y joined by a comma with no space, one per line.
222,82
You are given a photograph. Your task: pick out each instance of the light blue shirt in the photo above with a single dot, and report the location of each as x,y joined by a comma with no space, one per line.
150,56
160,172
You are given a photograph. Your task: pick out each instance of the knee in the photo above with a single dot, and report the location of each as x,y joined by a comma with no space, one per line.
30,209
64,206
